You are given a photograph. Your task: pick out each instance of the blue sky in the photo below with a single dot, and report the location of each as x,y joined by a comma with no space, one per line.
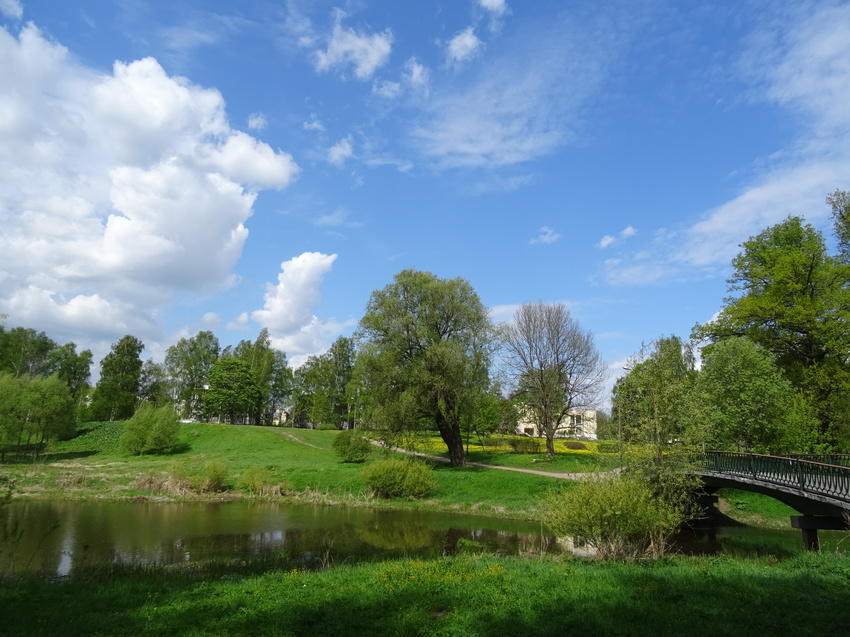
167,167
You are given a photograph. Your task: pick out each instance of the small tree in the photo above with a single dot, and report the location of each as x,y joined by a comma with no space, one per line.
555,363
350,446
233,390
150,430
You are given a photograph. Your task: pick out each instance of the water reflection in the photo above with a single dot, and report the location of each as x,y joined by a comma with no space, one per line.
60,538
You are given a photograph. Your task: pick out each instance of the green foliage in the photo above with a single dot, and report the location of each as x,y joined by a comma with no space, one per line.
425,356
326,427
741,400
120,374
188,363
233,391
350,446
150,430
649,403
321,385
33,411
574,444
254,480
792,299
215,476
525,445
618,516
608,446
399,478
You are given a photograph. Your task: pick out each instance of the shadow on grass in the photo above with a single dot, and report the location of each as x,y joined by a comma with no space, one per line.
457,596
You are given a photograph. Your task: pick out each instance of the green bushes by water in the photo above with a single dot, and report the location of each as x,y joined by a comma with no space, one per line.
399,478
150,430
350,446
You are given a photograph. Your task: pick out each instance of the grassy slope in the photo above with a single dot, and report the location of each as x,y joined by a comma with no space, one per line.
300,461
467,595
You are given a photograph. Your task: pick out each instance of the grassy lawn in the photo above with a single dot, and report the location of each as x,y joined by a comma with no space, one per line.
297,464
466,595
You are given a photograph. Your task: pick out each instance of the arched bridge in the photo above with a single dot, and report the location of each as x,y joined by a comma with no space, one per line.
816,486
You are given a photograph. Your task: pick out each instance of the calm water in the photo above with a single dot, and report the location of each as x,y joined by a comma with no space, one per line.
60,537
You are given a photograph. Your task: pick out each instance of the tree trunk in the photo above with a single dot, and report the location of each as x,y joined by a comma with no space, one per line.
453,439
550,447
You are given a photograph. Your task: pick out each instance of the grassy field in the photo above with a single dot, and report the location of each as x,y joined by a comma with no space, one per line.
466,595
294,464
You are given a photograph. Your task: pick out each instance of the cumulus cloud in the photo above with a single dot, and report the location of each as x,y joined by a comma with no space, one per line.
605,241
288,309
463,46
608,239
12,9
546,236
339,152
350,48
117,191
415,78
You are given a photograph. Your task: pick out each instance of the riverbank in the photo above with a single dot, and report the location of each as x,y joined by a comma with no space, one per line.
225,462
465,595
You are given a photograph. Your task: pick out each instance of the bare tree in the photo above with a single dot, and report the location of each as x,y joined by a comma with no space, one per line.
554,363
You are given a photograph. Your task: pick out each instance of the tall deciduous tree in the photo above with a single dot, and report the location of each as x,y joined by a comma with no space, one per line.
555,363
649,403
740,398
233,392
188,363
793,299
120,372
321,384
425,355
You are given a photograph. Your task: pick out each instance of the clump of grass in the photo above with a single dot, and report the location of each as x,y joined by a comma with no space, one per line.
399,478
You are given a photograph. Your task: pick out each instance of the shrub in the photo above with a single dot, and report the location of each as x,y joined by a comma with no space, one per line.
399,478
620,517
254,480
150,430
525,445
574,444
350,446
215,476
607,446
326,427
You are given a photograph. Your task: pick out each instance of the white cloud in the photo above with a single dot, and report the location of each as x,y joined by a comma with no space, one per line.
608,239
12,9
628,231
117,191
339,152
416,75
387,89
257,121
805,67
605,241
518,106
288,309
337,218
314,124
497,7
463,46
546,236
347,47
239,324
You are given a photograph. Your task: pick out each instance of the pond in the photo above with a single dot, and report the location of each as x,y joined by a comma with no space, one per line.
59,538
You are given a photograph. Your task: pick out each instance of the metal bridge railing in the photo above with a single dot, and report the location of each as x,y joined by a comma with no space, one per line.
806,475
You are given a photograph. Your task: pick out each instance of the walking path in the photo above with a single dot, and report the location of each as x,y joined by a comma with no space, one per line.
549,474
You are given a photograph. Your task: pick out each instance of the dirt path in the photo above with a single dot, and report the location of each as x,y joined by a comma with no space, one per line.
548,474
294,438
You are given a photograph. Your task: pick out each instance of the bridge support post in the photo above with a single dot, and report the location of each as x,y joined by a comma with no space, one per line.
810,524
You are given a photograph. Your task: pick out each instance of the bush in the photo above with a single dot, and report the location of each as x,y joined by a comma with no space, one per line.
574,444
620,517
350,446
326,427
254,480
399,478
150,430
525,445
215,476
607,446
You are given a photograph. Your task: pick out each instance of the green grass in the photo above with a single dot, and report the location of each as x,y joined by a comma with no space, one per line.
301,463
754,509
467,595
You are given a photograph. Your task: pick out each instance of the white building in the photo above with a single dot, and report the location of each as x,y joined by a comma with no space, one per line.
577,423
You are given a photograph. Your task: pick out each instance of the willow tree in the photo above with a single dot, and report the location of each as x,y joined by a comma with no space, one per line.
425,355
555,363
